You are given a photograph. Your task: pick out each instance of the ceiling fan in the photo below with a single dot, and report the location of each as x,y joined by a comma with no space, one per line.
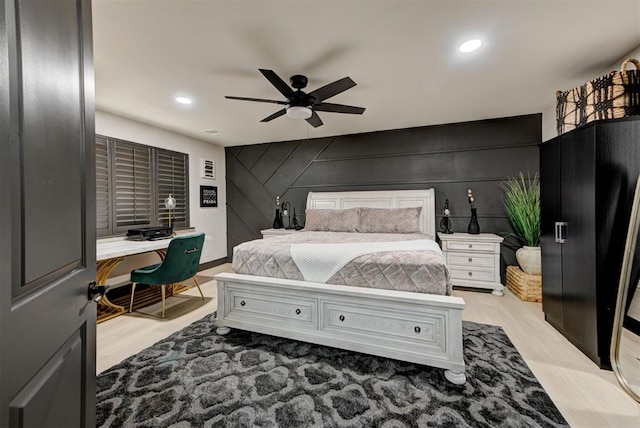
300,105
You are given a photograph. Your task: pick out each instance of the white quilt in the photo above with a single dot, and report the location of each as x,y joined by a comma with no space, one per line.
319,262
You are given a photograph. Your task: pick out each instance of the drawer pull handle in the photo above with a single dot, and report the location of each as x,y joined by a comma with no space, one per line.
470,273
470,246
297,311
470,259
416,329
341,318
243,303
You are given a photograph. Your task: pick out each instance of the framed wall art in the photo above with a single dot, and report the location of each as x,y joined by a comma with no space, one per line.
208,196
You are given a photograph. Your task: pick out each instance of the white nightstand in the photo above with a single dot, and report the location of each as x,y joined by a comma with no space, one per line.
270,233
474,260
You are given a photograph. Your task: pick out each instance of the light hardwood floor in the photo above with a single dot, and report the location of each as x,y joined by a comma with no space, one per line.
630,359
586,395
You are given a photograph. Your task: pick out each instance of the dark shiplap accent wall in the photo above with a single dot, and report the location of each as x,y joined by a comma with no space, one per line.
450,158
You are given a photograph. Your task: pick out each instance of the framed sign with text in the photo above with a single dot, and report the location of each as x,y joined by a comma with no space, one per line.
208,196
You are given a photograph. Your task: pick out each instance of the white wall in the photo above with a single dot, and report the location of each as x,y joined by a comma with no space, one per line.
211,221
549,114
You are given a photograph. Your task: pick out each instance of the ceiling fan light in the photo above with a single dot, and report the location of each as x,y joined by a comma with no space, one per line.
299,112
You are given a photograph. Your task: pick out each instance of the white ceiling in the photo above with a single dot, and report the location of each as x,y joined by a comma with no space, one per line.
402,54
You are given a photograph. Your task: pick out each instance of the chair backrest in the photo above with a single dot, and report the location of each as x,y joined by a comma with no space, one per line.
182,259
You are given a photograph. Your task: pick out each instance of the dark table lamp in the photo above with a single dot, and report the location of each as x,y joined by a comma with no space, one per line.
286,211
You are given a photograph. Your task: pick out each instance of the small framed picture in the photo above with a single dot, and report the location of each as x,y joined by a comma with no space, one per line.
208,169
208,196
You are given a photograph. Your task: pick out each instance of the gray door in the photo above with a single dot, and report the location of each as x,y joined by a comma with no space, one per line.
47,214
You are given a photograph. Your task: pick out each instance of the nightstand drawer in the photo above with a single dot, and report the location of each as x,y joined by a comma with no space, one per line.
473,274
471,259
470,246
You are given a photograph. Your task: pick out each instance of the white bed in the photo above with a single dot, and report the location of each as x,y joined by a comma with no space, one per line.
415,327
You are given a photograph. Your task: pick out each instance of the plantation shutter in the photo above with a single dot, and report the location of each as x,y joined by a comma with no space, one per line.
102,187
132,184
172,178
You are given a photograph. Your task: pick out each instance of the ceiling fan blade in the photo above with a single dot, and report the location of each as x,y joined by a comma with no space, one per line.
332,89
338,108
315,120
276,81
258,100
274,115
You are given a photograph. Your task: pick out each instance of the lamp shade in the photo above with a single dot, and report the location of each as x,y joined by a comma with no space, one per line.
170,202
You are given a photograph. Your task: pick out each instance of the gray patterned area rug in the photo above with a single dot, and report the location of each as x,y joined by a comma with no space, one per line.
197,378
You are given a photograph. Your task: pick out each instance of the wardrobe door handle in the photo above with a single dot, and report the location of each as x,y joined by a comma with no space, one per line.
341,317
297,311
243,303
561,232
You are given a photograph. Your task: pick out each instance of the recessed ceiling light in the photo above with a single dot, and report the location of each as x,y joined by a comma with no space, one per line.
183,100
470,45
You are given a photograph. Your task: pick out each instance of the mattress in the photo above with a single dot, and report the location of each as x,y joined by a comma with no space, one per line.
416,271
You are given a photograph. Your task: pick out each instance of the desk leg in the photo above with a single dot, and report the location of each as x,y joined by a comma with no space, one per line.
104,269
162,253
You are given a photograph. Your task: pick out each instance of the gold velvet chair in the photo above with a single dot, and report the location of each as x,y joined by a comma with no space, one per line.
180,263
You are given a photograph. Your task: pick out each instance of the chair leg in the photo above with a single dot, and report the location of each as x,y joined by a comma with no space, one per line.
163,294
133,290
198,285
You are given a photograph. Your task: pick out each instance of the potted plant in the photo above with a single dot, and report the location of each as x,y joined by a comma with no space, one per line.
522,203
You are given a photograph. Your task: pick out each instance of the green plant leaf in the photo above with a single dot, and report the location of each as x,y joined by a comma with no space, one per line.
522,204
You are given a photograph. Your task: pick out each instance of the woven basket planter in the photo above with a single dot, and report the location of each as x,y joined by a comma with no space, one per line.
526,287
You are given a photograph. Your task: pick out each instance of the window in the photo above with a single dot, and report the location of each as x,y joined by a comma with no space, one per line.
172,179
132,182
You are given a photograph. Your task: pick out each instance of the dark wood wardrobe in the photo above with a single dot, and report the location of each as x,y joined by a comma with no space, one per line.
588,178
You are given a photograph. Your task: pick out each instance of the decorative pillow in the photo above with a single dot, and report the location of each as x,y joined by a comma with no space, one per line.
332,220
390,220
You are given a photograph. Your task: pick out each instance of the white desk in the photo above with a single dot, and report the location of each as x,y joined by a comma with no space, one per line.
122,248
110,253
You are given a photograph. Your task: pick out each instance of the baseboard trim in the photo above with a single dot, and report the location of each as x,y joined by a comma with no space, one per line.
212,264
632,324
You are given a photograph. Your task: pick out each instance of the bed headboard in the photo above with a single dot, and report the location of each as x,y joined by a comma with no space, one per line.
381,199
